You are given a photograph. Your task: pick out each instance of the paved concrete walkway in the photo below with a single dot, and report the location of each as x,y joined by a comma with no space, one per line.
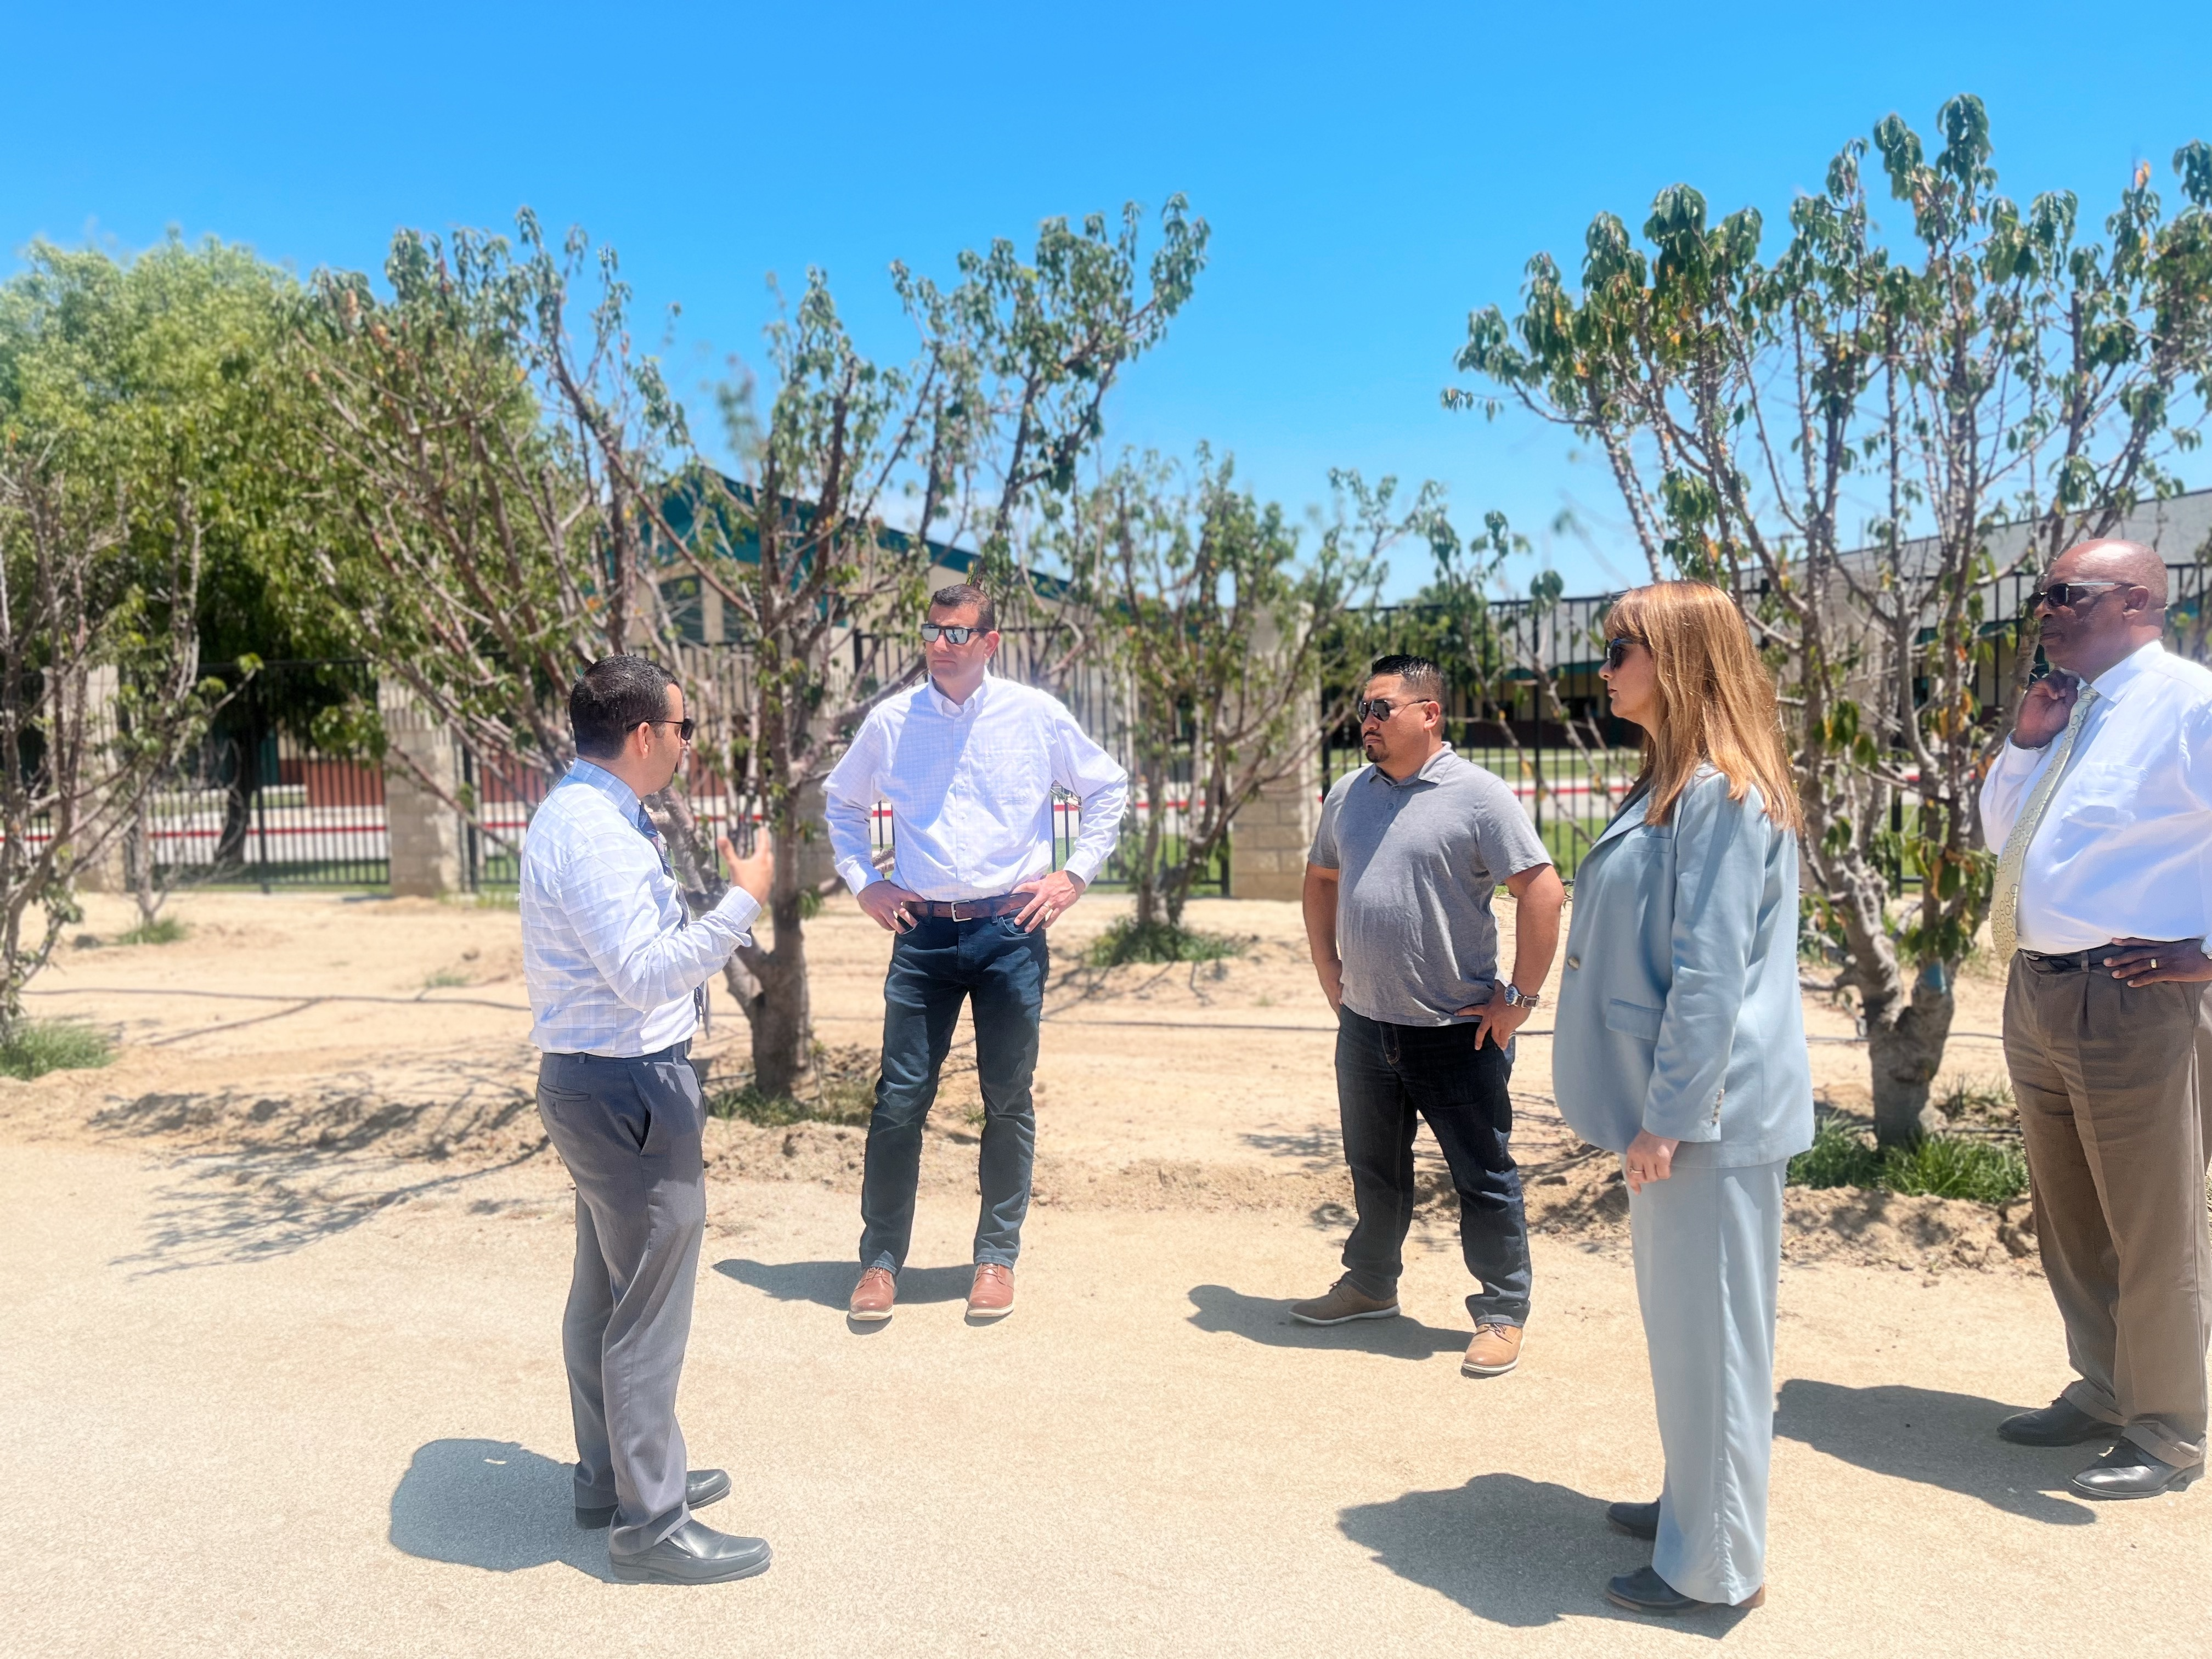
353,1442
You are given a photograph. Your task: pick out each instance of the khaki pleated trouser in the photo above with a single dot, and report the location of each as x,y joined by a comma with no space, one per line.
2113,1086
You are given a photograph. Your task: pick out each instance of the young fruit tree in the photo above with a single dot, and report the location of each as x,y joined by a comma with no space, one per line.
503,502
1857,436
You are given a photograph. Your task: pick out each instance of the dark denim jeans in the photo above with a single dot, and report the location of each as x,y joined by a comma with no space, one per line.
1388,1078
935,965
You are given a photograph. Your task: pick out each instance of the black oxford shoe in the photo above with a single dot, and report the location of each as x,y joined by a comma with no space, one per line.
1646,1591
2062,1423
2129,1471
1637,1519
694,1553
701,1488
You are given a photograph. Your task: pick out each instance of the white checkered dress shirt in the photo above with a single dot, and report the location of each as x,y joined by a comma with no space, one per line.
611,956
971,790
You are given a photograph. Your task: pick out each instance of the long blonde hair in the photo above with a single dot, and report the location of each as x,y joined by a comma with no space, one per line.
1716,700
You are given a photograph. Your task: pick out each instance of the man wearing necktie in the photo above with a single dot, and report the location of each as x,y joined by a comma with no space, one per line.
2101,801
614,964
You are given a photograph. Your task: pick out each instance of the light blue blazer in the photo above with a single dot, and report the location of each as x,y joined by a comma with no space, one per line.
1678,1008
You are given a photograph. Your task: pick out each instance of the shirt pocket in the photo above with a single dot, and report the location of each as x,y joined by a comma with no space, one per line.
2104,792
1632,1019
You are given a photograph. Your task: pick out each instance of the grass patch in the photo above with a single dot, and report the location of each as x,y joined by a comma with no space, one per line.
1986,1099
41,1046
162,930
446,979
1125,940
1942,1166
841,1090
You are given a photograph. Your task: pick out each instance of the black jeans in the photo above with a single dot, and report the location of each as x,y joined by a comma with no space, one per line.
936,965
1388,1078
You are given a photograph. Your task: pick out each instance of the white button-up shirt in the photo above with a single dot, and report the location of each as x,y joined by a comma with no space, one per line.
970,787
610,958
2124,849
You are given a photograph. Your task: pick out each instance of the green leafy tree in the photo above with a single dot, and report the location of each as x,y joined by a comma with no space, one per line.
1236,647
505,500
1856,440
124,451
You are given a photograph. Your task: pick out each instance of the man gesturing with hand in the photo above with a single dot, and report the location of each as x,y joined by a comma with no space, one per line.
968,763
1398,890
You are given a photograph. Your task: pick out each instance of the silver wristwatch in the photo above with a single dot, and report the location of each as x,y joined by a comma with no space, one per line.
1518,998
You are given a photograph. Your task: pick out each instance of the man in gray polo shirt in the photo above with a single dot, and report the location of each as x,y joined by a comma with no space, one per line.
1397,910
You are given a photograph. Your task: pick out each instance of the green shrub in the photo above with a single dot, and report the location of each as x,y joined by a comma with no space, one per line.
41,1046
162,930
844,1092
1951,1166
1942,1166
1838,1157
1124,940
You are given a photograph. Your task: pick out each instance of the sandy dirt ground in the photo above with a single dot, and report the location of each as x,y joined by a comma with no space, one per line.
283,1285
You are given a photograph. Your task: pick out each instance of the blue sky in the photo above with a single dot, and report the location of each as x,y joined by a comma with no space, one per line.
1372,174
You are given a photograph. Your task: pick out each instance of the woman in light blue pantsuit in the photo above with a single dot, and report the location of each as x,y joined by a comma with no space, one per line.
1680,1044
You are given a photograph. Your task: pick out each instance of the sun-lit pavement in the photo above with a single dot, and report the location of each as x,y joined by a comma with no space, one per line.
354,1444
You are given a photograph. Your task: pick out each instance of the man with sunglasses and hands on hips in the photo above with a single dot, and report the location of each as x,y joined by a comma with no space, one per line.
968,762
1398,889
2101,803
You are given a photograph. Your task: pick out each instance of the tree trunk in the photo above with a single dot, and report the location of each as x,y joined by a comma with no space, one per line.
1905,1052
782,1014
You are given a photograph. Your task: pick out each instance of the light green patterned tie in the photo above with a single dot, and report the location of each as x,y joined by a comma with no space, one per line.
2004,906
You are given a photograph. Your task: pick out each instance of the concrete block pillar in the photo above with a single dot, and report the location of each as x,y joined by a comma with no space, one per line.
422,834
105,871
1270,838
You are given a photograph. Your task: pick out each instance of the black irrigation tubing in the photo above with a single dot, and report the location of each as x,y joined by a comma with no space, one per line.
423,999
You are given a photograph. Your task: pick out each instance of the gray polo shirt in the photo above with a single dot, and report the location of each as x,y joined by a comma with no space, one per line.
1417,862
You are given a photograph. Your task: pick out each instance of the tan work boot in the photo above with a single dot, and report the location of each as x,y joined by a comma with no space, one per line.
992,1295
873,1296
1343,1305
1495,1351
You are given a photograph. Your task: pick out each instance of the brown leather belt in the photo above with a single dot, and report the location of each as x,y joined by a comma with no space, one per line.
971,909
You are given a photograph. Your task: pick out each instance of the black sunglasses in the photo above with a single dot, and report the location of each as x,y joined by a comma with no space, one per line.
2063,596
684,728
951,634
1379,708
1616,650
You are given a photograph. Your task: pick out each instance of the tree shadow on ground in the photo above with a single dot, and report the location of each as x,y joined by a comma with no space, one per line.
492,1504
829,1284
1267,1320
222,1209
1511,1551
1938,1439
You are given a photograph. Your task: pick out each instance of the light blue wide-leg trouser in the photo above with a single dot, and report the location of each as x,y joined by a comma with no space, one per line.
1708,1257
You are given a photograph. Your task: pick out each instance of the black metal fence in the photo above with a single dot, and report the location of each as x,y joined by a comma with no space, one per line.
267,799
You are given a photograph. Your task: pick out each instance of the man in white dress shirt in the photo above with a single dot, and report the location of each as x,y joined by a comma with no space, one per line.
613,964
2101,802
968,763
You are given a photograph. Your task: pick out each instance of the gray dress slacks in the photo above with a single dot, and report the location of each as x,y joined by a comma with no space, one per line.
1708,1247
630,1132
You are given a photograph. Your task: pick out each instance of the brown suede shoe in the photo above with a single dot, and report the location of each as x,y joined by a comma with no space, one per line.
1343,1304
873,1296
992,1295
1495,1351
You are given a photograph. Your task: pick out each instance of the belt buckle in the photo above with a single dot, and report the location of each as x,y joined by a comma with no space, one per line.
955,907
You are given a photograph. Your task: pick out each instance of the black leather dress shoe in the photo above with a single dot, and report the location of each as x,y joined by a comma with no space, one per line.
2062,1423
1646,1591
694,1553
2129,1471
701,1488
1637,1519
